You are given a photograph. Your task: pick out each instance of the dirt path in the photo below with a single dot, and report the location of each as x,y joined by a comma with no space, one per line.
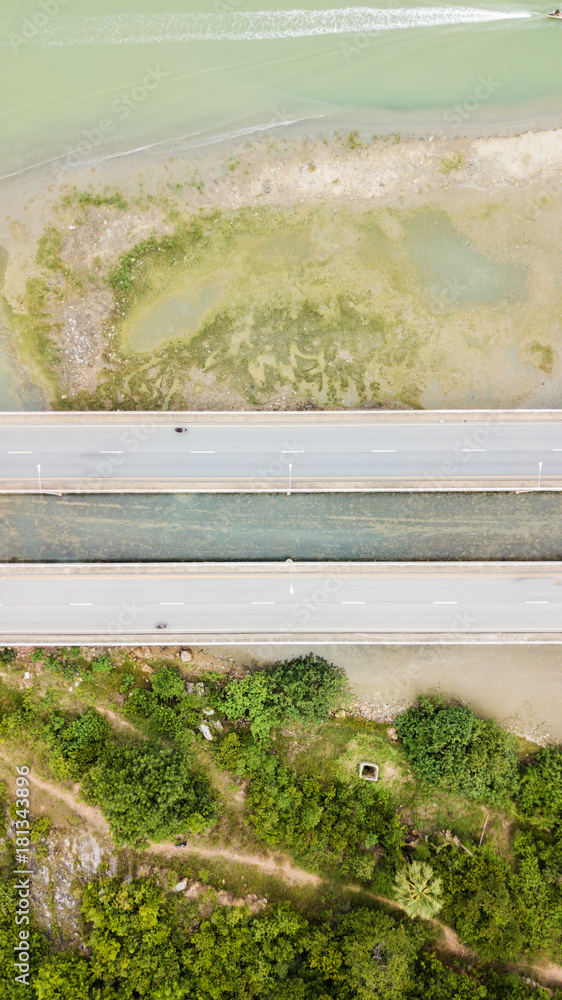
119,722
266,863
93,816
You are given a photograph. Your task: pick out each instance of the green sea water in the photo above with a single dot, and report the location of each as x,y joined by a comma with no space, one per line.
83,80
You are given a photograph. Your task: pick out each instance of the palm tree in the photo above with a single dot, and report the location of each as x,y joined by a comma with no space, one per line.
417,891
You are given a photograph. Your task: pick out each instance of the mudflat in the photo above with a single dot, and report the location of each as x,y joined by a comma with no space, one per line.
318,271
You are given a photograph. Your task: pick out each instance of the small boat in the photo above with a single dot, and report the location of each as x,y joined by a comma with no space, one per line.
556,13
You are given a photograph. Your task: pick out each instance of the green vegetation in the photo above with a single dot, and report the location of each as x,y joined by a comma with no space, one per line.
144,943
539,796
281,774
417,891
301,690
330,825
77,744
452,747
149,793
114,199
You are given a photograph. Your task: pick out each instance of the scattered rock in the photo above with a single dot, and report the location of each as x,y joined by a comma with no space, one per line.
217,724
194,890
146,669
186,655
208,711
206,732
180,886
392,734
195,688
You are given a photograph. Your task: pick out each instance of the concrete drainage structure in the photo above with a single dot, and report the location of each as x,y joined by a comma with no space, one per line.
370,772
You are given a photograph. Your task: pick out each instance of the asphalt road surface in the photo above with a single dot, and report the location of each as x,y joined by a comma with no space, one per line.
281,599
291,456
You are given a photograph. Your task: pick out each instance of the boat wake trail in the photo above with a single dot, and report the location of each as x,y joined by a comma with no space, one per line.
123,29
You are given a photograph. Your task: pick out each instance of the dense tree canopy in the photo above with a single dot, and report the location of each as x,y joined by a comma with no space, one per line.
76,743
148,792
540,787
452,747
303,689
146,945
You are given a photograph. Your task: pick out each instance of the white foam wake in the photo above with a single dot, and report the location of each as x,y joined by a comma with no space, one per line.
121,29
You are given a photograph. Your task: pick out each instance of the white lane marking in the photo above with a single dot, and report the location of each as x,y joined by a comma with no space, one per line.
537,602
292,451
165,604
445,602
354,602
111,452
203,452
20,453
262,602
383,451
475,449
80,604
557,449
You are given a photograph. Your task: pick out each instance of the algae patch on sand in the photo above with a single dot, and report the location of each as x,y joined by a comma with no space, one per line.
329,306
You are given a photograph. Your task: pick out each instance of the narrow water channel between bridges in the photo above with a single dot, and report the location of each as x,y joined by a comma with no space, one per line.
322,526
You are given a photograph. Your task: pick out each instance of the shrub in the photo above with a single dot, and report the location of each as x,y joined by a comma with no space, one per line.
7,655
76,743
477,895
168,684
102,664
148,792
324,824
303,689
64,977
540,787
452,747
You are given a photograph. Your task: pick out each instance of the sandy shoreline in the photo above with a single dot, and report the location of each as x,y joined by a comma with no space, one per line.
512,181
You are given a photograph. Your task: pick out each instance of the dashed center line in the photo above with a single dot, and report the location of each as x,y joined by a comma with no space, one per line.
292,451
262,602
20,453
111,452
383,451
445,602
80,604
166,604
203,453
475,449
537,602
354,602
